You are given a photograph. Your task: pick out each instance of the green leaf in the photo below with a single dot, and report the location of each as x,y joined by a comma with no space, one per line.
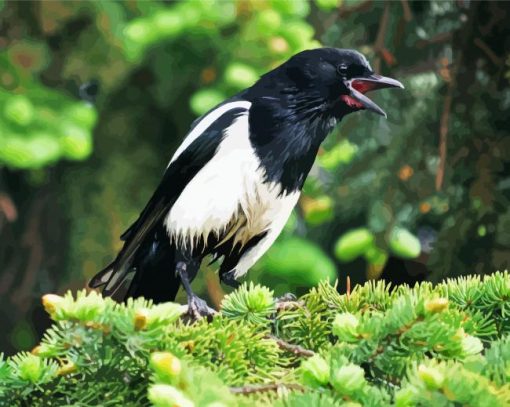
83,114
348,379
298,261
76,142
318,210
341,153
251,303
141,31
315,371
353,243
380,216
19,110
298,34
345,327
205,99
167,23
240,75
166,366
164,395
39,150
328,4
268,21
298,8
376,256
404,244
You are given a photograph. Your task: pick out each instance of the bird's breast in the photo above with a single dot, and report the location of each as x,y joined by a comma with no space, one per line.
229,197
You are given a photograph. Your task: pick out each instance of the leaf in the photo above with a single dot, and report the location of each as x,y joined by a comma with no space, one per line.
353,243
317,210
298,261
404,244
19,110
379,217
206,99
240,75
341,153
328,4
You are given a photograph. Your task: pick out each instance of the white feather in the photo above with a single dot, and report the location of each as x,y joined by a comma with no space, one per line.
277,217
205,122
229,194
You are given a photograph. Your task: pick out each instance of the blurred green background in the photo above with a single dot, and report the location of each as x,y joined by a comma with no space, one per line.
422,195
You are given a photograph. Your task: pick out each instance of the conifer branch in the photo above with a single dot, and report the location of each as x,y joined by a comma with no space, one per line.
369,347
289,347
261,388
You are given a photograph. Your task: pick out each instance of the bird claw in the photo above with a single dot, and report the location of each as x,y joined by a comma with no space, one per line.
198,308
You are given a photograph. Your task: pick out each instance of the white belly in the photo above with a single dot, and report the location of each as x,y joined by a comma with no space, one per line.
228,195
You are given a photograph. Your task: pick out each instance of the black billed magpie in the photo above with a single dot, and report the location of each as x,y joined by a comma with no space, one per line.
233,182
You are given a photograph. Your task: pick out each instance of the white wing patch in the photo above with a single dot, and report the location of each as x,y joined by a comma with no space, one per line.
229,195
212,199
204,124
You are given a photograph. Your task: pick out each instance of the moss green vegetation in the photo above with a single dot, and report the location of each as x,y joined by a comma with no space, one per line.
441,345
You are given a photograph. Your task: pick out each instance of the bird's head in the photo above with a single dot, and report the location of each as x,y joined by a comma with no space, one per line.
329,82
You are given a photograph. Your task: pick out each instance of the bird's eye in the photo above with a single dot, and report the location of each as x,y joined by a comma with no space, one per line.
342,70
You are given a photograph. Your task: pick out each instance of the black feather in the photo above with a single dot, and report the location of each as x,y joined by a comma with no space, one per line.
136,256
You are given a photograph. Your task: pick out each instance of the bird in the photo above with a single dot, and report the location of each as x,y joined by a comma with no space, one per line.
231,185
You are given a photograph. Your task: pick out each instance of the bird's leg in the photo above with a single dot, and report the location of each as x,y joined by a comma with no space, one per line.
229,279
285,302
197,307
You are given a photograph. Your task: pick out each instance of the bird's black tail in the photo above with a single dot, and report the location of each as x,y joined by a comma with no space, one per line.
149,273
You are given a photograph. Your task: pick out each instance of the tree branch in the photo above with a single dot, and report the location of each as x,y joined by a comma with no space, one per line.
287,305
261,388
32,241
443,136
289,347
381,33
488,51
348,288
408,14
346,11
436,39
7,207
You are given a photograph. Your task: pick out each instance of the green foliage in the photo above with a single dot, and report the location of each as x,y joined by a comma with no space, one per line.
161,63
404,244
342,153
328,4
433,384
155,62
297,261
237,66
250,303
353,244
445,345
40,126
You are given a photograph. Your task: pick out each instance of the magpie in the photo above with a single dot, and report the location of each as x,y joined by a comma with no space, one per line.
233,182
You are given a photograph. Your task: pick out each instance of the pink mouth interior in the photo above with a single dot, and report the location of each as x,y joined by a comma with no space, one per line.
351,102
362,87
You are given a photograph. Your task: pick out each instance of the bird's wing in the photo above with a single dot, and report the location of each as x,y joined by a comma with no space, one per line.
196,150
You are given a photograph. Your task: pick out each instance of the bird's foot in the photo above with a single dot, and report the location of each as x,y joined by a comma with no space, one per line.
198,308
229,279
287,301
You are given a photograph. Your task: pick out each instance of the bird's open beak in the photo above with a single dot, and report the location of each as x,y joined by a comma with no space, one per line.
362,85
